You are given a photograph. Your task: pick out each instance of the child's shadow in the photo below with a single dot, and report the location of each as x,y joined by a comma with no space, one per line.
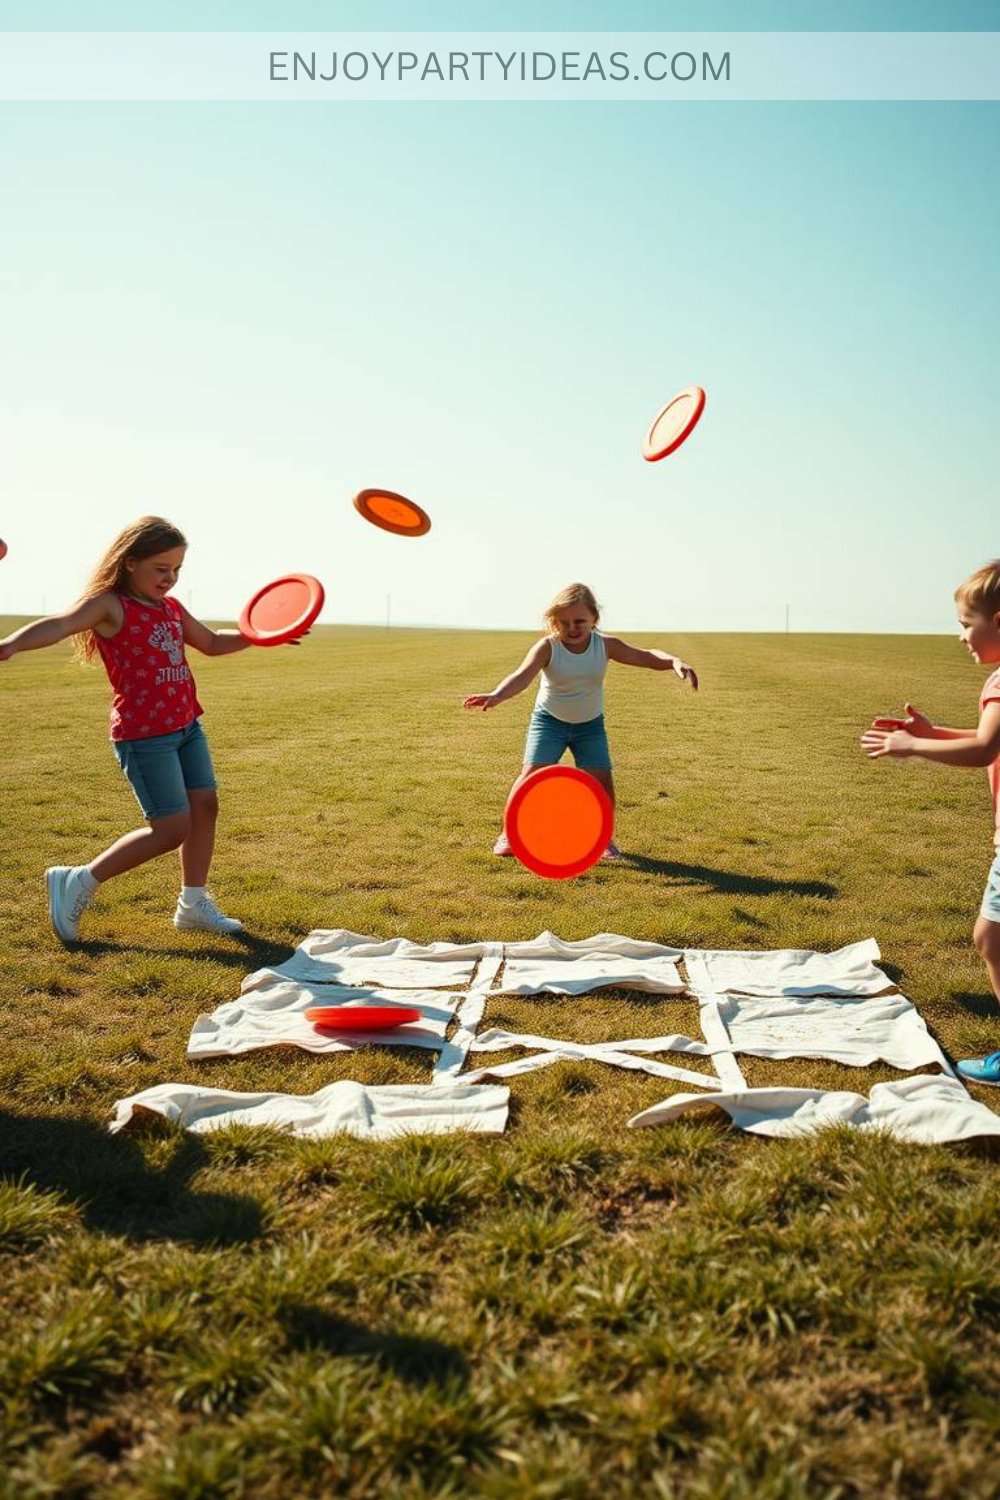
728,881
115,1189
984,1005
241,949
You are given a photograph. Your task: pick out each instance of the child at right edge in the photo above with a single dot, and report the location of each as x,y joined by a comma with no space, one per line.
978,600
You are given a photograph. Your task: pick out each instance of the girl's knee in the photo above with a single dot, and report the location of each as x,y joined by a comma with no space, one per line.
171,832
204,804
986,936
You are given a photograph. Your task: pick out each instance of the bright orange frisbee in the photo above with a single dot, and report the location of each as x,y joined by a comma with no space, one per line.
559,821
361,1017
283,610
674,424
392,512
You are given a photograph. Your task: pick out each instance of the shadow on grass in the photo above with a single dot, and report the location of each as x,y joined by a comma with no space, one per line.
728,881
115,1189
985,1004
240,947
418,1361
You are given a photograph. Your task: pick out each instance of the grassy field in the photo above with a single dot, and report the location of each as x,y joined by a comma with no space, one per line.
574,1309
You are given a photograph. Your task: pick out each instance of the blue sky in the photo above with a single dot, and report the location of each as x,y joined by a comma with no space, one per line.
238,315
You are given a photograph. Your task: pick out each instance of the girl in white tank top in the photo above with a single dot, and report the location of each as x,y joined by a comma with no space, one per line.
569,710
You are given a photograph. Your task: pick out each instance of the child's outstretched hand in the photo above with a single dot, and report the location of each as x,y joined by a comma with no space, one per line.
480,700
878,742
915,723
686,673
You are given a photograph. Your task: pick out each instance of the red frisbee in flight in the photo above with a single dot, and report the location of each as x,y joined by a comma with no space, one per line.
559,821
392,512
674,423
3,548
361,1017
283,610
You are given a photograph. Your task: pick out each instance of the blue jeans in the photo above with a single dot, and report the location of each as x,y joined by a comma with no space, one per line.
165,767
549,737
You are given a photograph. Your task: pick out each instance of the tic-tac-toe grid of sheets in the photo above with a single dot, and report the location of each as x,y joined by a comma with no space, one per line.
786,1003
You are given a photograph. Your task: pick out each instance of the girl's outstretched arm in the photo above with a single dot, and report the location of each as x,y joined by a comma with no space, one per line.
921,727
210,642
538,657
980,748
102,609
657,661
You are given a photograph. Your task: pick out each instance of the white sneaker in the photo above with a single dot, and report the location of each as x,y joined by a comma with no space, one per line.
502,845
68,899
612,851
204,916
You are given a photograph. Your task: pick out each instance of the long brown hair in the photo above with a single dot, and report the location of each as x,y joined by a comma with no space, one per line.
144,538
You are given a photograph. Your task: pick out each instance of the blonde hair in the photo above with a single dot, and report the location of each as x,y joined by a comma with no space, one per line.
981,590
144,538
573,593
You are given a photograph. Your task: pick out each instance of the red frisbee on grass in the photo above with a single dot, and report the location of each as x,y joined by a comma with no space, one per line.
392,512
559,821
283,610
361,1017
674,424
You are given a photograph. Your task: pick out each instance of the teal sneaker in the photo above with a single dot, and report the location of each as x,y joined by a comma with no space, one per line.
982,1069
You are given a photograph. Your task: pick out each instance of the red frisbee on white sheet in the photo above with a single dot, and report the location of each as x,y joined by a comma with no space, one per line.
674,424
559,821
361,1017
392,512
283,610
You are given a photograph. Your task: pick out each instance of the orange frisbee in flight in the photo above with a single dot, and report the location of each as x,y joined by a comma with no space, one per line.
674,424
559,821
392,512
283,610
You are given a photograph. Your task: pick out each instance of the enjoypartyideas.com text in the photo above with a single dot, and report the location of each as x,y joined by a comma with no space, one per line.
494,67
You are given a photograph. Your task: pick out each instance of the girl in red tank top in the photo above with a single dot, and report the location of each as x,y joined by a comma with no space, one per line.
128,618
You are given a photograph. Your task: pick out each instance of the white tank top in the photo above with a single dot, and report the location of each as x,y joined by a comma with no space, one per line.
572,685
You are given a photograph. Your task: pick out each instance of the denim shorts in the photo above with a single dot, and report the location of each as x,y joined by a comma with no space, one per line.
990,908
164,768
549,737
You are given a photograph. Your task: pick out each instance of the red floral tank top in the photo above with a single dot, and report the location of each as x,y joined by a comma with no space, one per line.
145,662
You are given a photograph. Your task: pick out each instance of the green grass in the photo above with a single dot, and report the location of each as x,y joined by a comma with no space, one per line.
572,1310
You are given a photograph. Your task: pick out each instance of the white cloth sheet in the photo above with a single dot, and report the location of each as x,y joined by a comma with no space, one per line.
375,1113
273,1016
789,971
549,966
838,1027
336,956
923,1109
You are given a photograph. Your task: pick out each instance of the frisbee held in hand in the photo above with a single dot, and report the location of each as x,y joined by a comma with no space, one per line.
361,1017
559,821
283,610
674,423
392,512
